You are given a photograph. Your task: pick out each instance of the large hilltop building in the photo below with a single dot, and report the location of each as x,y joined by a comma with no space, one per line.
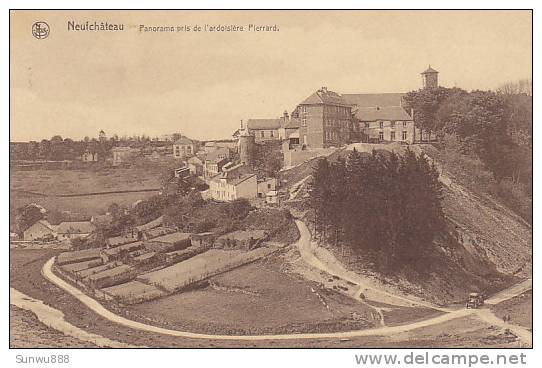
329,119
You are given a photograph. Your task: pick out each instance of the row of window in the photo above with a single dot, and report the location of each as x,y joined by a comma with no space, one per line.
392,136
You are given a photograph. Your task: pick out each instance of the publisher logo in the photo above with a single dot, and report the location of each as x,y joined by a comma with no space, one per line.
40,30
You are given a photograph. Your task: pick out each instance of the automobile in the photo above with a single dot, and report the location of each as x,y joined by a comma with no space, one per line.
475,301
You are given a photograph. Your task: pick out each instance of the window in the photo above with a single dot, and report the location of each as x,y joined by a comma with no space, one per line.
268,186
392,136
381,136
381,124
262,134
392,123
404,123
366,124
272,134
404,135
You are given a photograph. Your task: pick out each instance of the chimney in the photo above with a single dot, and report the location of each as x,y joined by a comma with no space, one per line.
285,115
412,113
241,123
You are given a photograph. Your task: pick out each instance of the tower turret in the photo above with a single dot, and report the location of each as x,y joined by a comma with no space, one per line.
246,148
430,78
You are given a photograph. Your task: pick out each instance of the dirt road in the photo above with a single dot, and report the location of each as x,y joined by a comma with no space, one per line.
324,261
95,306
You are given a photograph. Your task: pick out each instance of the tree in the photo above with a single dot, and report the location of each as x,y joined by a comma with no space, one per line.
379,203
27,216
425,103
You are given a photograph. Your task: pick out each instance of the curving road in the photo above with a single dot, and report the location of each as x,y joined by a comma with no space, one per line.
309,249
99,309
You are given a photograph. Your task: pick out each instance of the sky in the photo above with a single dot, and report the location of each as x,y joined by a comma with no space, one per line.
201,84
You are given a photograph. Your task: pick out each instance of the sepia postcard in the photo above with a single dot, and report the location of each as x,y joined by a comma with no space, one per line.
270,179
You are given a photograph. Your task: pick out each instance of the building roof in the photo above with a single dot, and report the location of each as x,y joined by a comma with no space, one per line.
151,225
292,124
218,154
194,160
183,140
374,99
324,96
76,227
259,124
382,113
233,181
429,70
172,238
44,223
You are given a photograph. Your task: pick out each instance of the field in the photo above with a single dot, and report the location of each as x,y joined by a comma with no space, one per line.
25,184
519,308
25,275
196,268
133,292
55,182
257,298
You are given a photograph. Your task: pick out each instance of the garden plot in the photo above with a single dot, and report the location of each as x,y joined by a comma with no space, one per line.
201,266
79,266
133,292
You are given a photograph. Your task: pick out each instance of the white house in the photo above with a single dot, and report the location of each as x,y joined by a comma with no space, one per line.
233,183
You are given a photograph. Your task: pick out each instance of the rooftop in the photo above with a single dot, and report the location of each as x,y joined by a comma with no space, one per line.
324,96
429,70
382,113
256,124
78,227
172,238
183,140
374,99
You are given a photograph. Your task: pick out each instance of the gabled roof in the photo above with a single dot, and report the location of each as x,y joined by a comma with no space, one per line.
183,141
258,124
195,160
324,96
292,124
76,227
429,70
374,99
382,113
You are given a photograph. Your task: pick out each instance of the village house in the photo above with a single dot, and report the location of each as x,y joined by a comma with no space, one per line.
183,148
215,161
123,155
264,129
76,229
169,242
266,185
88,156
233,183
41,229
195,165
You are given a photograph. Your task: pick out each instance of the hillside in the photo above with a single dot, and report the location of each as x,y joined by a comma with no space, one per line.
486,245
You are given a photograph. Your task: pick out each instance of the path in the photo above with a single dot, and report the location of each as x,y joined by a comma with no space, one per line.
54,318
309,249
99,309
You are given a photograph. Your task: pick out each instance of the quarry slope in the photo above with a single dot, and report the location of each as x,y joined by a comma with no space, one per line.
486,248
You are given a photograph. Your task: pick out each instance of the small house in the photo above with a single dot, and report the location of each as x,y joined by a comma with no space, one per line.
41,229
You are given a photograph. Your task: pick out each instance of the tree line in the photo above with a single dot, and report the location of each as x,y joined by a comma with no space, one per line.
494,127
384,204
